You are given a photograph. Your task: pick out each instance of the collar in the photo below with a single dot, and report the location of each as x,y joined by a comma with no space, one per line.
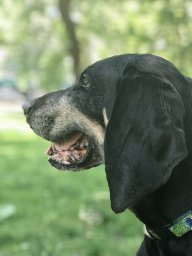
177,228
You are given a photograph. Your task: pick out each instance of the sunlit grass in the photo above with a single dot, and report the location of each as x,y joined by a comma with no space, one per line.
46,212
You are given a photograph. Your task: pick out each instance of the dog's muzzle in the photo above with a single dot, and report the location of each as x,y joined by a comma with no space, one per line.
76,141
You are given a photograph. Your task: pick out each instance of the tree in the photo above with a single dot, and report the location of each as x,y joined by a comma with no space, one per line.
40,52
74,48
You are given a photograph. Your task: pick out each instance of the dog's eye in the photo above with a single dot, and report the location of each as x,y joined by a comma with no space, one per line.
85,83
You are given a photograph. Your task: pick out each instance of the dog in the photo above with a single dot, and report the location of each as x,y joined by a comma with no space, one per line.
132,112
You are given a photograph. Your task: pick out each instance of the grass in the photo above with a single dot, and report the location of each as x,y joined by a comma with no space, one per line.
44,212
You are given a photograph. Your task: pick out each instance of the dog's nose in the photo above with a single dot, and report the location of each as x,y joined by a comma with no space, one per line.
26,108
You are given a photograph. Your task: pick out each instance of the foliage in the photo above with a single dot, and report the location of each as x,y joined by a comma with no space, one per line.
46,212
35,45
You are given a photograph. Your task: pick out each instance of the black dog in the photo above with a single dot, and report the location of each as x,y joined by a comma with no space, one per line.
133,112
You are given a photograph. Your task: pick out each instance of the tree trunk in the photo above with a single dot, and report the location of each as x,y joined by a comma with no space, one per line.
74,49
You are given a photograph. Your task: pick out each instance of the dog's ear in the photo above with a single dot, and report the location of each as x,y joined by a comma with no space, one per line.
144,138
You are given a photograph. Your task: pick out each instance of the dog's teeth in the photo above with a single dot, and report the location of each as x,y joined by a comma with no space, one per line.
76,155
66,163
76,146
84,144
72,158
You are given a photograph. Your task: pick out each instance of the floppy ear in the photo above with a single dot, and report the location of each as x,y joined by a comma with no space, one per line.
144,138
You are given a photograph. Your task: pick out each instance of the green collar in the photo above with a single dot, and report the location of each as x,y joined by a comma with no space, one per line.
182,225
177,228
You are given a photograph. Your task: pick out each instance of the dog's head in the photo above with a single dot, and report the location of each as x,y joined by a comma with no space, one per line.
74,120
130,102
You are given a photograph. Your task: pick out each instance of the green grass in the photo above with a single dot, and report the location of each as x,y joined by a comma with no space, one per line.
44,212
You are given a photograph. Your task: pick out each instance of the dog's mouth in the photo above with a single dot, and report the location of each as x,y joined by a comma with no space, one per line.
71,154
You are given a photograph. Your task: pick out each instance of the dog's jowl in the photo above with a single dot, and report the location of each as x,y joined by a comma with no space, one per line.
134,113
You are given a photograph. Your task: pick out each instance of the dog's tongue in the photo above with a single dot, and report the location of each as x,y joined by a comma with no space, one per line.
68,142
72,150
65,146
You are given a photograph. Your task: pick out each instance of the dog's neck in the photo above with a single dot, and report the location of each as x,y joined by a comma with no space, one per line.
170,201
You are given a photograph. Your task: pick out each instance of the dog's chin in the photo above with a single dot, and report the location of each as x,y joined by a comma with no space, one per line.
74,153
74,167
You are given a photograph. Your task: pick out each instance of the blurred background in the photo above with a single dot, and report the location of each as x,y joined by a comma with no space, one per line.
44,46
